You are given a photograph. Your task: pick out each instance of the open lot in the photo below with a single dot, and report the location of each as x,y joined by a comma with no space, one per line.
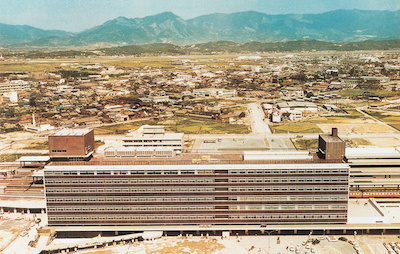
225,144
186,125
295,128
250,245
11,228
360,128
390,118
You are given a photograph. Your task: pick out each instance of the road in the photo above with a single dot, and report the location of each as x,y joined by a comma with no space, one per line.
258,125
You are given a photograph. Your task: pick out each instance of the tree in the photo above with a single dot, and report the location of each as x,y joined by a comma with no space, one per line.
10,113
32,101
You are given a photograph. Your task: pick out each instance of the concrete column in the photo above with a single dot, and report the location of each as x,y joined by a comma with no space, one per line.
344,231
42,211
28,211
368,231
15,210
295,231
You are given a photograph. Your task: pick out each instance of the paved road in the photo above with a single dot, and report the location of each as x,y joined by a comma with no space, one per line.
258,125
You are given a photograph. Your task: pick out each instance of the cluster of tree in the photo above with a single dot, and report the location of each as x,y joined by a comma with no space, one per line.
214,48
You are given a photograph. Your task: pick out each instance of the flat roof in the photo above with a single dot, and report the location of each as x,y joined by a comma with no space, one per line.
330,138
26,203
277,155
39,173
149,136
34,159
372,152
71,132
89,167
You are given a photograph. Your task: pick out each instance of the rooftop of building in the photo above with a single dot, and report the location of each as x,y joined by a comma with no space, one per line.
70,132
330,138
333,137
153,131
208,159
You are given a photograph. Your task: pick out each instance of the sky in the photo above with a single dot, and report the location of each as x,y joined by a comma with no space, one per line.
78,15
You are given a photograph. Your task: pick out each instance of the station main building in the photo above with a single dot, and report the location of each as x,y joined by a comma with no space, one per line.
248,189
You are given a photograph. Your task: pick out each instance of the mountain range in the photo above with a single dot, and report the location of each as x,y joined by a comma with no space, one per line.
240,27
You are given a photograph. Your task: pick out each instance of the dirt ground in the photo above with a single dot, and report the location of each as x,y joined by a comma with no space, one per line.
10,229
356,128
384,142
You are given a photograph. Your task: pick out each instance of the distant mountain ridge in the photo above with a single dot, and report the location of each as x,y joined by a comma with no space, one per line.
14,34
240,27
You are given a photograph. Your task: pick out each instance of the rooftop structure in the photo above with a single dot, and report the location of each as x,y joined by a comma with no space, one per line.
153,137
331,146
294,106
71,144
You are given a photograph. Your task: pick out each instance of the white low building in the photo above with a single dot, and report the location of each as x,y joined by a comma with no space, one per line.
214,92
155,137
296,106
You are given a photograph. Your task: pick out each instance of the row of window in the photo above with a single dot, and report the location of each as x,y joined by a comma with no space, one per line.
129,199
292,198
240,171
291,188
199,189
194,199
195,217
58,151
198,180
151,140
128,181
194,208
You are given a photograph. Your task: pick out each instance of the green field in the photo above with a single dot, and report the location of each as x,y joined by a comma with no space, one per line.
356,142
38,145
295,128
178,124
194,126
123,128
392,120
370,93
305,144
25,66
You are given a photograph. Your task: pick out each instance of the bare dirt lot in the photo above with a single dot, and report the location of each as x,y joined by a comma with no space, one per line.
10,229
356,128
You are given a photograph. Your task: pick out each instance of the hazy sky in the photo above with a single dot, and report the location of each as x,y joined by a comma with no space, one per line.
77,15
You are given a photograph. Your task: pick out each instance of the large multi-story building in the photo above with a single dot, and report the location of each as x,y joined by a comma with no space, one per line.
231,190
15,85
298,193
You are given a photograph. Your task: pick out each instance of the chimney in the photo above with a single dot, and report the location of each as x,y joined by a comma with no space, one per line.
33,119
334,132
